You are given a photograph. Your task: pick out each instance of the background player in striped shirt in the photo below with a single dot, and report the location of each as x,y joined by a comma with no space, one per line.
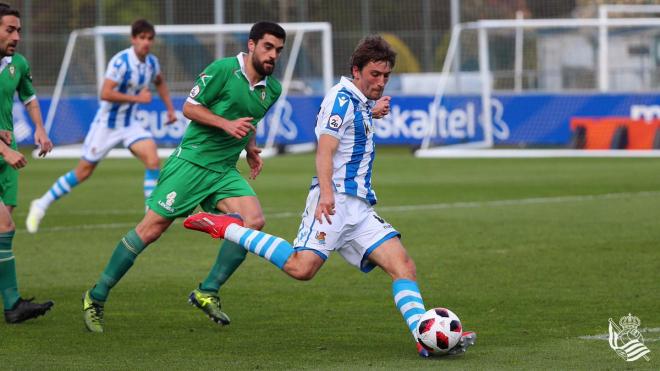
14,77
339,214
126,84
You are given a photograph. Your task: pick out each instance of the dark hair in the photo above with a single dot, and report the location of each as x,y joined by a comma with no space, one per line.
140,26
5,9
372,48
259,29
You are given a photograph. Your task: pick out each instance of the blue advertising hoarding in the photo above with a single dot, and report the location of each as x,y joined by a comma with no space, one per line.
542,119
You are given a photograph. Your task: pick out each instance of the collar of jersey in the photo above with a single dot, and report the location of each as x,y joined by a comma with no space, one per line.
241,63
133,56
4,62
348,84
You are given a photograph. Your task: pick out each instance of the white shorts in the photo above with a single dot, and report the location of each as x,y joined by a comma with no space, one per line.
355,232
100,139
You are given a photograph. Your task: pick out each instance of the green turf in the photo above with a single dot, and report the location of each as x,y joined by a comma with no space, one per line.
571,243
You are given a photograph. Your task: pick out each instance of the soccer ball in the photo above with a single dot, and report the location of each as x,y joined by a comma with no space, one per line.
439,330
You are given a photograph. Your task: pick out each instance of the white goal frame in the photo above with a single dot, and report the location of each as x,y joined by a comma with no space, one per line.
482,27
296,31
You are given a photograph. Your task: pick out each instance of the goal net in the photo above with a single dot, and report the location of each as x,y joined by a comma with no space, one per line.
548,84
305,68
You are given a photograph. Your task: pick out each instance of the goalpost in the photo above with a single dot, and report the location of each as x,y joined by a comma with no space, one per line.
541,59
305,68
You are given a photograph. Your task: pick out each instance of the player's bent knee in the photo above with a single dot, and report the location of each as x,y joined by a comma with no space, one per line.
302,274
255,222
7,226
303,266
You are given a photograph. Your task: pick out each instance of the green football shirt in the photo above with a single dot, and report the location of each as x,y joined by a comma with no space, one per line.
224,89
14,77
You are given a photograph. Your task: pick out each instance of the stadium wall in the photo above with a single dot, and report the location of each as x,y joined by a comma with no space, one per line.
543,120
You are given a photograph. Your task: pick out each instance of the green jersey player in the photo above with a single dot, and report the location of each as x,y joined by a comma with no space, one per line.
14,77
226,102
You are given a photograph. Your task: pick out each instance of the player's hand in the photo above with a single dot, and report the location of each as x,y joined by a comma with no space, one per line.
382,107
238,128
254,160
325,208
5,136
41,139
144,96
15,159
171,118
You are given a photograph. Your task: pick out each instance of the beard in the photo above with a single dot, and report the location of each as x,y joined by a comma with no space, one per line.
260,67
6,52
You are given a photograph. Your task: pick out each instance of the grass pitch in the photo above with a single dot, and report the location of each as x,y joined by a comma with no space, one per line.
532,254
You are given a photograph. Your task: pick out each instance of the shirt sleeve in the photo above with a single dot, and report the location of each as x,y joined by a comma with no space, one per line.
155,65
26,92
336,115
209,85
116,69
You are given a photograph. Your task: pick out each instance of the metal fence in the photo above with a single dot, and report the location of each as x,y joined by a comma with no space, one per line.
418,29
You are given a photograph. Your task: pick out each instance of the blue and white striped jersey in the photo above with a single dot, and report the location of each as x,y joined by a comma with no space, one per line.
346,115
132,75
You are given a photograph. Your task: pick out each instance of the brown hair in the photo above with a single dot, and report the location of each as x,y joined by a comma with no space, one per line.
140,26
372,48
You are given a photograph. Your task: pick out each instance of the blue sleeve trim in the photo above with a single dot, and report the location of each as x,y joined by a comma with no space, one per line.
320,254
366,266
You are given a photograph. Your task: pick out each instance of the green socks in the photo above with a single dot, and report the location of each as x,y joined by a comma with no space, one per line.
8,284
229,258
121,261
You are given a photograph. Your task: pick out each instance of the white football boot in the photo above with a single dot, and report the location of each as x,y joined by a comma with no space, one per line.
34,217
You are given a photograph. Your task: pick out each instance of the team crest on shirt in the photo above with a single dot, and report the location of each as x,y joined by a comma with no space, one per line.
320,236
195,91
263,94
335,121
12,71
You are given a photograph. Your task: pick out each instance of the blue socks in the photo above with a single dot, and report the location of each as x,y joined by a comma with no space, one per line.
150,180
62,187
274,249
409,302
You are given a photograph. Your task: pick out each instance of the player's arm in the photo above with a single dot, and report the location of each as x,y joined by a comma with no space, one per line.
108,93
164,92
40,137
324,153
27,95
253,157
15,159
238,128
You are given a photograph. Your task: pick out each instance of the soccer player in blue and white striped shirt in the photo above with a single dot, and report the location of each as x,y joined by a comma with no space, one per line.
126,84
339,215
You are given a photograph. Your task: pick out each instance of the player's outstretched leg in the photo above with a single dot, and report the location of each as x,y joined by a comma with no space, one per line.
92,313
122,259
274,249
26,309
209,303
62,186
213,224
408,301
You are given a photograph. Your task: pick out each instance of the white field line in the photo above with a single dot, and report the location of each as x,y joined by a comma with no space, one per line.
400,208
647,338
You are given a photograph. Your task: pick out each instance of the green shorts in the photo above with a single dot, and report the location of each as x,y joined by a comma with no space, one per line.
8,184
183,185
